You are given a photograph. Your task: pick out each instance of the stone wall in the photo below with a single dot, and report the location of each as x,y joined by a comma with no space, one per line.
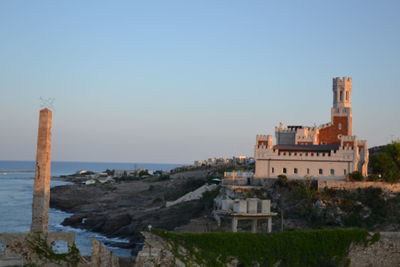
388,187
17,251
384,253
270,163
156,252
101,256
196,194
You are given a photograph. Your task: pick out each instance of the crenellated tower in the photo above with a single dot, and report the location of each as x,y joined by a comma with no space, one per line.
341,112
341,92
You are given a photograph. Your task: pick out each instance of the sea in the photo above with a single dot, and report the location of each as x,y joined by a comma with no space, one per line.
16,198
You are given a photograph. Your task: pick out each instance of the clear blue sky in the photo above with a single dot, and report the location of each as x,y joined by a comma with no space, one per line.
174,81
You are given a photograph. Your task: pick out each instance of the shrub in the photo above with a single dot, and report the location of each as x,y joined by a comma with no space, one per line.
374,178
282,181
356,176
294,248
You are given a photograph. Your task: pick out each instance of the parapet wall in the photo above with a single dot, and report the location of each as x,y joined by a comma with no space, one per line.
343,185
343,154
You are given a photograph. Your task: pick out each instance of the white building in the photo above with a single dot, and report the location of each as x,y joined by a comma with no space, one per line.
329,151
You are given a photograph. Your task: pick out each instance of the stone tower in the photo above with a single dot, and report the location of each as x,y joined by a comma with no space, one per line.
342,115
41,190
341,92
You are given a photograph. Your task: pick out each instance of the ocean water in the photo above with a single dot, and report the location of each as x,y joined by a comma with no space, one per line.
16,198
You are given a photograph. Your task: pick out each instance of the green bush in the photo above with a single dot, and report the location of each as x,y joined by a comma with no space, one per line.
374,178
282,180
294,248
356,176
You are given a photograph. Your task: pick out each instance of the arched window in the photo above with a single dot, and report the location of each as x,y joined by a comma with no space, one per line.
332,172
273,170
340,126
295,171
341,96
320,172
284,170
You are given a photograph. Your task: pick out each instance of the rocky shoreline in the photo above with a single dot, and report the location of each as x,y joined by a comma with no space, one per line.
123,209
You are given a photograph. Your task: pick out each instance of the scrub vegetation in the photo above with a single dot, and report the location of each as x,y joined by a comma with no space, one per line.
295,248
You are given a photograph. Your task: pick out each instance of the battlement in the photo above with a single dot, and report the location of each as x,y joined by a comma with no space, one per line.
343,153
265,140
285,130
337,81
263,137
348,138
325,125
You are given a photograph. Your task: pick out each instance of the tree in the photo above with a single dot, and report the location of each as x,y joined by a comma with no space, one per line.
387,162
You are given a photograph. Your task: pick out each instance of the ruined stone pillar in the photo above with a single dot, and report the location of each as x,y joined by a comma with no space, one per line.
254,226
269,225
41,190
234,224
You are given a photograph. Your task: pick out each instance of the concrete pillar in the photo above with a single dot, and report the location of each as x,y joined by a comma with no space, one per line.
252,205
234,224
265,206
254,225
269,225
41,190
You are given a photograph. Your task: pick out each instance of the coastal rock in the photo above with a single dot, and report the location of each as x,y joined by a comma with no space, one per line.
124,209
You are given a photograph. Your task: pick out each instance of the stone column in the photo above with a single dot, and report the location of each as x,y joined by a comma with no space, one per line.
41,190
269,225
254,225
234,224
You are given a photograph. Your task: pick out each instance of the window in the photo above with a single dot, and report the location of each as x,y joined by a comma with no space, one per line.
332,172
295,171
320,172
341,95
345,172
273,170
284,170
340,126
308,171
347,95
59,247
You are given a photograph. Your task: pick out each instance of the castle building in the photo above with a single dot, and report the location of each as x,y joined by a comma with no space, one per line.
329,151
